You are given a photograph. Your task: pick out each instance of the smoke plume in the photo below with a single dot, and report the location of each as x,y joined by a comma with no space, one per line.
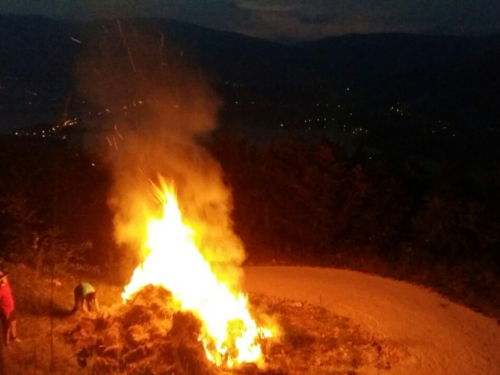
157,105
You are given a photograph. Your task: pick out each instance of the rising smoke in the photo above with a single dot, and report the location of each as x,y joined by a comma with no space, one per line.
158,104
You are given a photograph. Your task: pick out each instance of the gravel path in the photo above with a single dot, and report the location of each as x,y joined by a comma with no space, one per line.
441,336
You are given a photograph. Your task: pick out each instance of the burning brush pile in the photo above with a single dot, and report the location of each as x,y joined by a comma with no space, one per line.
147,335
151,335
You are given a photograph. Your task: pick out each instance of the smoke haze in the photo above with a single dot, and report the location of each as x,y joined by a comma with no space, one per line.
159,104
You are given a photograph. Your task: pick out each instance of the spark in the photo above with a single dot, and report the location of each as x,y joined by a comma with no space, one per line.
117,132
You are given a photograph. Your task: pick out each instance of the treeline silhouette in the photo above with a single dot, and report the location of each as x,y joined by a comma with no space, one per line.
295,202
53,199
314,203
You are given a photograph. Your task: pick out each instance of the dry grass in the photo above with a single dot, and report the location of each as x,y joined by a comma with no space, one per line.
43,307
312,341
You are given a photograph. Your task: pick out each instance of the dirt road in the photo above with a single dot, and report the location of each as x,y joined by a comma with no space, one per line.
441,336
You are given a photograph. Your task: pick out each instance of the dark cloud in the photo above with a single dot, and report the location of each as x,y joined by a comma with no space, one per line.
317,19
290,19
221,14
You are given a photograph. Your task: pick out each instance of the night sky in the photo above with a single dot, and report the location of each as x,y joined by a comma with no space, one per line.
289,20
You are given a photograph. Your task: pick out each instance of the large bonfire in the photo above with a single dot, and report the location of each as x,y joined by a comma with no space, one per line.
160,107
172,260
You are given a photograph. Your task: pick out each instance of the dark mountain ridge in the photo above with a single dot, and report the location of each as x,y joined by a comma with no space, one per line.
449,77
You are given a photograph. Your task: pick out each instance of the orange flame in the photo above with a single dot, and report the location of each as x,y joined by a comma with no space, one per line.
229,334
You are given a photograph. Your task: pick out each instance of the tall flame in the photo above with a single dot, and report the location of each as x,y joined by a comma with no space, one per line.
229,334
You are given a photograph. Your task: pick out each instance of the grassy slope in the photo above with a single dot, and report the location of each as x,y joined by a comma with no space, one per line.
34,296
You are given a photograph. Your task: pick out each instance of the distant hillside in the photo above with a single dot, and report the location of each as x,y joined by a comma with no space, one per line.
455,73
36,50
455,78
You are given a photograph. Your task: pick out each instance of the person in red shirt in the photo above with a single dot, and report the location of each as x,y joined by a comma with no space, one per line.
7,311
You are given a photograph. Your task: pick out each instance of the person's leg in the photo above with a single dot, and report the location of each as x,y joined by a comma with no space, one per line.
75,308
91,301
5,328
85,305
78,300
13,329
12,326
